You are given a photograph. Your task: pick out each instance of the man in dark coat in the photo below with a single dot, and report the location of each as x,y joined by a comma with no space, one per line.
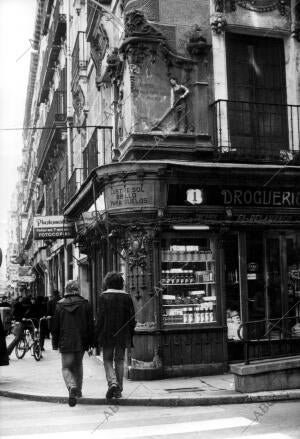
114,330
72,334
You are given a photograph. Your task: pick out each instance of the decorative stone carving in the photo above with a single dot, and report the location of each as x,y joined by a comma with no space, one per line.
138,247
114,65
141,38
137,25
219,5
78,100
99,43
141,41
78,104
197,45
149,7
219,24
263,5
296,32
296,27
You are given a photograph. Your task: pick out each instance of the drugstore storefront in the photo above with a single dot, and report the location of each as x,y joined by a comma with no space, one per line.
200,252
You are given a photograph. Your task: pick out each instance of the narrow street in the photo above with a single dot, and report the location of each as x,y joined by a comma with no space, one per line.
21,419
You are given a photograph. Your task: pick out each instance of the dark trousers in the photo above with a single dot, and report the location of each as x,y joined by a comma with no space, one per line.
113,358
18,335
72,369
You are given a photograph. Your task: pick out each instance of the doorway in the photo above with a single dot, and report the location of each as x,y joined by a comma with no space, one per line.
262,284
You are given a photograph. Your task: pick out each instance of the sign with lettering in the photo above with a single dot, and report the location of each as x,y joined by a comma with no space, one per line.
260,197
132,195
52,227
228,196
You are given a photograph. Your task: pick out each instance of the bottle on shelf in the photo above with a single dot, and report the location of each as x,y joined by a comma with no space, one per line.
185,315
167,278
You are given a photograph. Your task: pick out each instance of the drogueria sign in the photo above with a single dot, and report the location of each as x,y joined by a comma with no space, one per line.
52,227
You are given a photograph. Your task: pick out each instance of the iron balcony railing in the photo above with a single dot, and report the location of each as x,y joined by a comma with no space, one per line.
265,333
75,182
79,55
55,119
255,131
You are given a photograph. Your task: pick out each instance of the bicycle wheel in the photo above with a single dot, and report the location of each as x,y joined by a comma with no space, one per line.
37,351
20,349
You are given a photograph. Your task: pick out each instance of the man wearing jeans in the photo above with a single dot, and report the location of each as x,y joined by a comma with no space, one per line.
72,334
114,330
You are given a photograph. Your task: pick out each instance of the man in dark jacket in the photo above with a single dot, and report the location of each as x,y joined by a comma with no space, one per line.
72,334
115,329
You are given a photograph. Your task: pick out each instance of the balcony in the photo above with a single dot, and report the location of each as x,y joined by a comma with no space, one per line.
79,57
55,119
255,132
91,155
75,182
56,35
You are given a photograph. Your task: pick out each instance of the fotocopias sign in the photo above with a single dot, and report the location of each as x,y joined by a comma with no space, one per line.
52,227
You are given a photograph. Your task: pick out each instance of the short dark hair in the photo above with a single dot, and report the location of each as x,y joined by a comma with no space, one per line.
113,280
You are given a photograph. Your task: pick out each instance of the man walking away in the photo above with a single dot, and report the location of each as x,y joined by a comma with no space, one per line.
114,330
72,333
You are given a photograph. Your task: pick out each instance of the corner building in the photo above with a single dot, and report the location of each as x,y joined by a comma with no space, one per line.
183,128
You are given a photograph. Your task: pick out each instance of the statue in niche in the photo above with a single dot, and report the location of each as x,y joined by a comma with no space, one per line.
179,93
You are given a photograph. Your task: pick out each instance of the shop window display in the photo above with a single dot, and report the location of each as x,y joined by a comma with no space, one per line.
188,278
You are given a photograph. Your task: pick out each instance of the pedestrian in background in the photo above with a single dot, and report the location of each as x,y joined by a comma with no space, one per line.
51,305
24,310
4,360
114,330
40,311
72,334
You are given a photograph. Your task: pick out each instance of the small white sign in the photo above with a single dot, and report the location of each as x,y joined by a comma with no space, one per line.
52,227
194,196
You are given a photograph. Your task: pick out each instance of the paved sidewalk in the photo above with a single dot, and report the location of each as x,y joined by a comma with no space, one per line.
42,381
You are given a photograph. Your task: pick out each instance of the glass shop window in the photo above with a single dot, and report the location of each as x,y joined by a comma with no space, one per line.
188,278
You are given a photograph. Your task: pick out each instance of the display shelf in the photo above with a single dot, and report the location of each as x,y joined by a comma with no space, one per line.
181,305
187,285
188,276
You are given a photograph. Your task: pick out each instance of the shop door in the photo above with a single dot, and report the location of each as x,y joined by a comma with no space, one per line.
256,92
274,278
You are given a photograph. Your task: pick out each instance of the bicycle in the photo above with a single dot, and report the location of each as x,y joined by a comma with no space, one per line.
30,340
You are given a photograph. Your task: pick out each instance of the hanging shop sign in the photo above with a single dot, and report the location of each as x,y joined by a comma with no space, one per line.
52,227
27,279
87,220
118,196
